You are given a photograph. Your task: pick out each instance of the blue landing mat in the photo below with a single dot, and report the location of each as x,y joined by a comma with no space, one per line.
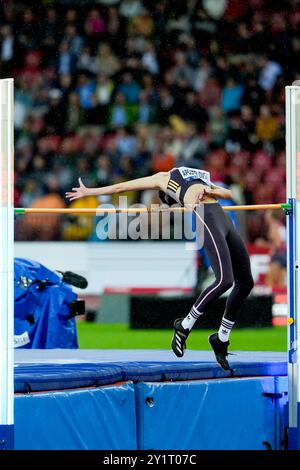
59,369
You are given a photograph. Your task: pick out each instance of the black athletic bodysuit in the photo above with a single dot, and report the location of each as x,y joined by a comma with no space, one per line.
226,250
180,180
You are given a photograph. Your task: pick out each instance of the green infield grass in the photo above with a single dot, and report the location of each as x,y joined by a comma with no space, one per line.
119,336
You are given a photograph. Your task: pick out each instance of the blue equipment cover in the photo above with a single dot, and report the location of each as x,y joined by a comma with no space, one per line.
38,370
42,307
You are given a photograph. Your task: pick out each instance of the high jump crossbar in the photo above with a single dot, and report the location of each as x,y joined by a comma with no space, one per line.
111,210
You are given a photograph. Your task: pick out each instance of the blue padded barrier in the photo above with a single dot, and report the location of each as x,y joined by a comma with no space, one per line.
281,411
179,404
209,415
46,377
103,418
56,369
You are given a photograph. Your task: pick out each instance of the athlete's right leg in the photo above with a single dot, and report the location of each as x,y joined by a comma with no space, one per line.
219,256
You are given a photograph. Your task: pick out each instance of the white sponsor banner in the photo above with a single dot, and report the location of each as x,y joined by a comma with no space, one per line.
118,264
126,264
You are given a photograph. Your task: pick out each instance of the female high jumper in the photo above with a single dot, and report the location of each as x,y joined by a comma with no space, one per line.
226,251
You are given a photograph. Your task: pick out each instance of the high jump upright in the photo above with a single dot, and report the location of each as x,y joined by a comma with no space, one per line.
6,263
292,95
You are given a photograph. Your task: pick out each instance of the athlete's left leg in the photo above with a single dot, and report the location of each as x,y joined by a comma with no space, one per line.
243,282
216,228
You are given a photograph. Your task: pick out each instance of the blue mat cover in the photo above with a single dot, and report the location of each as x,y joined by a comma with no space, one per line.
85,419
45,370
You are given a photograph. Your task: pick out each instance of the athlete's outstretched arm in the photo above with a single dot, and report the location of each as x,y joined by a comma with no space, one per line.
156,181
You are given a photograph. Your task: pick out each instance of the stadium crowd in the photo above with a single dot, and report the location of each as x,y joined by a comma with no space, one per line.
116,89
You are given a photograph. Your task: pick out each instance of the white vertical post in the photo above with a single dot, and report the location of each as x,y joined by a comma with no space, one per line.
293,269
6,264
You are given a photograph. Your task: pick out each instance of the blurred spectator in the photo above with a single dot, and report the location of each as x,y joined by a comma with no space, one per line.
253,95
201,75
161,160
149,59
32,191
267,125
94,24
145,110
106,62
131,8
275,241
51,33
119,112
269,73
191,51
194,148
103,92
66,60
55,117
215,8
141,25
125,142
182,71
86,88
130,89
231,96
65,85
39,227
103,170
28,33
31,70
210,94
72,38
218,126
193,111
7,50
75,116
23,103
86,62
166,105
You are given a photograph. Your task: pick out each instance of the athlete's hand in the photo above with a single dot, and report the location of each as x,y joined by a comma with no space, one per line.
77,193
205,191
202,193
